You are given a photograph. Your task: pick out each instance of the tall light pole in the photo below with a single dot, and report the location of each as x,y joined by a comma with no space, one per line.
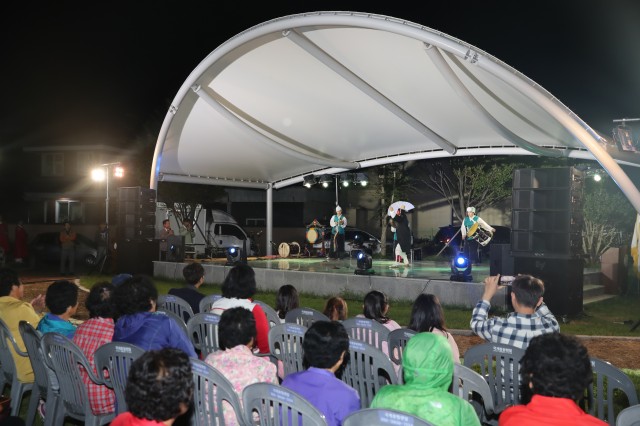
102,172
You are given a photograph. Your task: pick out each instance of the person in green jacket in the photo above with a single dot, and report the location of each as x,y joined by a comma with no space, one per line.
427,364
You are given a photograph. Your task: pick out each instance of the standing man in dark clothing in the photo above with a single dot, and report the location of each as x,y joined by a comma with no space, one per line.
68,249
102,241
403,236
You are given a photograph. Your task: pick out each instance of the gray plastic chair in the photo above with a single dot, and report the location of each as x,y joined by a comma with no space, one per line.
305,316
207,301
470,385
46,384
367,371
210,390
499,365
630,416
177,318
383,417
368,331
285,344
175,304
275,405
8,373
272,315
67,358
113,361
397,341
202,330
608,381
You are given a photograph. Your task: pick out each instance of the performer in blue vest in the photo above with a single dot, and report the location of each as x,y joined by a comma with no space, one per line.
338,223
469,235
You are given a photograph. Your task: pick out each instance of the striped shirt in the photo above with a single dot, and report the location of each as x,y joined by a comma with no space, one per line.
516,329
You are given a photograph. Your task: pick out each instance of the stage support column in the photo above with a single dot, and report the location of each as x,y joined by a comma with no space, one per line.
269,218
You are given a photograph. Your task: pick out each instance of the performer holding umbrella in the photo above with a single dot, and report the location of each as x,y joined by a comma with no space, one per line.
397,211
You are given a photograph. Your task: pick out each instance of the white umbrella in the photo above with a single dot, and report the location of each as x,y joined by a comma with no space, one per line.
404,205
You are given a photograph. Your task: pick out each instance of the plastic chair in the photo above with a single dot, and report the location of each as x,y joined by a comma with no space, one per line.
67,358
202,330
397,341
305,316
278,406
177,318
285,344
499,365
383,417
367,371
46,384
630,416
470,385
8,373
175,304
210,390
272,315
113,361
608,381
207,301
368,331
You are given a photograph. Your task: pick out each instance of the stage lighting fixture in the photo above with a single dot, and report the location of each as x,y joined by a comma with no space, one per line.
234,256
360,178
325,180
364,264
461,269
309,180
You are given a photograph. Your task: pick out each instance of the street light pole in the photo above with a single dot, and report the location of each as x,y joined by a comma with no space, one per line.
106,169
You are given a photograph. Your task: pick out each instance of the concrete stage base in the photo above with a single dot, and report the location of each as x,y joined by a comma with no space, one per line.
324,278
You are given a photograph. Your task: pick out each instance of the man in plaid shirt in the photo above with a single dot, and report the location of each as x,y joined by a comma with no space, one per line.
531,316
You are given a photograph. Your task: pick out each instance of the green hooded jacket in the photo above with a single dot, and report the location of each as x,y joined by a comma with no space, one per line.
428,369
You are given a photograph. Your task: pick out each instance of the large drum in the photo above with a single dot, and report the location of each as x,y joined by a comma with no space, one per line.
480,234
289,249
313,234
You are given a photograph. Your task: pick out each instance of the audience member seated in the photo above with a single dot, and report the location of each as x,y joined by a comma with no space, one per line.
376,307
235,360
531,316
159,389
12,311
286,300
325,347
92,334
336,309
555,371
427,365
119,279
238,289
427,315
139,323
194,276
62,301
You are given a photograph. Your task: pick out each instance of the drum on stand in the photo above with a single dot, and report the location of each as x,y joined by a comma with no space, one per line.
294,249
312,235
284,250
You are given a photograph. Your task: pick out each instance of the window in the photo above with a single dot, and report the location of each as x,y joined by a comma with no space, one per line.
86,161
70,210
53,164
232,230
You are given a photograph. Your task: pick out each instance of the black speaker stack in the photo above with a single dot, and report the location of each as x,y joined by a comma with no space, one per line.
546,233
137,246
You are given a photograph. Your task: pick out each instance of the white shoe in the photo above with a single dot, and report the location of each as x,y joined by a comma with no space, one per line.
395,265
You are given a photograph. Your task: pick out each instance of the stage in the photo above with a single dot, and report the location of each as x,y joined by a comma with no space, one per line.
322,277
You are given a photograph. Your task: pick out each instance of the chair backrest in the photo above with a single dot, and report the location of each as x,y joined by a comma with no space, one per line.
368,331
397,341
211,388
305,316
383,417
66,358
272,315
275,405
285,344
367,371
202,330
471,386
608,381
113,361
7,363
499,364
630,416
177,318
175,304
207,301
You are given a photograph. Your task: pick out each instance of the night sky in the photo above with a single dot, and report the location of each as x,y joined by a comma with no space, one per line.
110,69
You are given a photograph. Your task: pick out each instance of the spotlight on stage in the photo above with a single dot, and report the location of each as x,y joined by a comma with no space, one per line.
326,180
309,180
364,264
234,256
461,269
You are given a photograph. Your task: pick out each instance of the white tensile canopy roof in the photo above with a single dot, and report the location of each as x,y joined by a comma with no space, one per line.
326,92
